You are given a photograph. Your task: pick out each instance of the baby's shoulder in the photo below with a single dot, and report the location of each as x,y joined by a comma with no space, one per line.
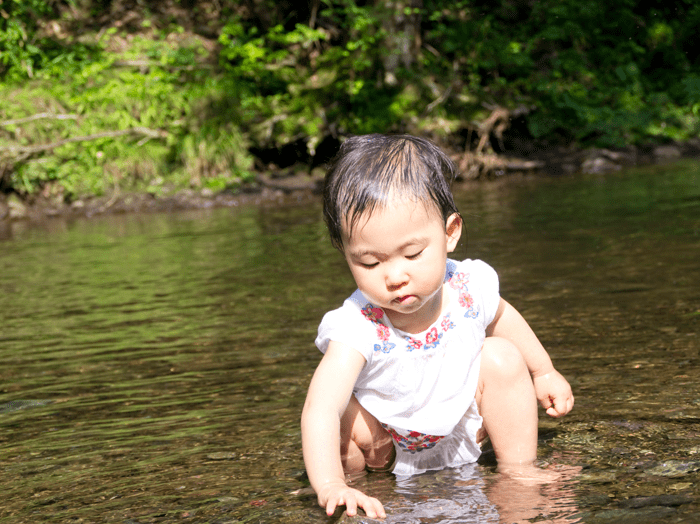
353,310
354,323
472,265
470,271
475,288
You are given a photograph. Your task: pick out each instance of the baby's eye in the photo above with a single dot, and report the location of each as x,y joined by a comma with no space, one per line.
369,266
414,256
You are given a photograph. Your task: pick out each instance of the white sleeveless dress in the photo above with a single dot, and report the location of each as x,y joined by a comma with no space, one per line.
421,386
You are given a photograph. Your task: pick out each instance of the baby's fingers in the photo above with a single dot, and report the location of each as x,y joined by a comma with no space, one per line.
333,504
350,506
343,500
558,407
373,508
354,499
330,506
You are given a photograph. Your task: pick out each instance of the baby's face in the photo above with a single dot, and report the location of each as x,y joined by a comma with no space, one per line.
397,256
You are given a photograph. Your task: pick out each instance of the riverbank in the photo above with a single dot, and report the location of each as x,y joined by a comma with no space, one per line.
156,106
300,184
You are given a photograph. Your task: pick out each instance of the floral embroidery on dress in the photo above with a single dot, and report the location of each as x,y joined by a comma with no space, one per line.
413,343
432,337
413,442
446,323
383,334
459,282
385,346
374,315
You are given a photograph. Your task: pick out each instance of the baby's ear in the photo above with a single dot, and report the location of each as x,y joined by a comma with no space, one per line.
453,231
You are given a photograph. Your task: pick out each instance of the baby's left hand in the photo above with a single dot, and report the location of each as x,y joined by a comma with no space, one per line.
554,393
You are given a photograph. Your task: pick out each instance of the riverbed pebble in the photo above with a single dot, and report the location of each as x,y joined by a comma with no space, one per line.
673,468
221,455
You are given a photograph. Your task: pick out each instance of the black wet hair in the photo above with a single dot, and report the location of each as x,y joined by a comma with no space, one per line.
369,170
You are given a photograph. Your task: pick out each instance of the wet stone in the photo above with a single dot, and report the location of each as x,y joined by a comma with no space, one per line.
632,516
221,455
666,153
659,500
598,476
228,500
673,468
357,519
681,486
15,405
599,165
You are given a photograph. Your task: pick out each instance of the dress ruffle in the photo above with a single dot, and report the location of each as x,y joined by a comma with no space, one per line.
456,449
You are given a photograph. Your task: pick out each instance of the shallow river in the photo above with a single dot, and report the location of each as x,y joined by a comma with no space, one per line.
153,367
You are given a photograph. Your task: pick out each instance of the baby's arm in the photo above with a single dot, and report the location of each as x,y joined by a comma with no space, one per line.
326,401
552,389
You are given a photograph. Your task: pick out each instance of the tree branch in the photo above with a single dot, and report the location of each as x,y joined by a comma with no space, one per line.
153,63
38,116
25,151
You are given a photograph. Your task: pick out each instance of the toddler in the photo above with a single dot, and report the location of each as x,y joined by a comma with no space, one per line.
425,358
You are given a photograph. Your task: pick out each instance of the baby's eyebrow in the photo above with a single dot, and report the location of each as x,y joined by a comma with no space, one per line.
378,254
360,254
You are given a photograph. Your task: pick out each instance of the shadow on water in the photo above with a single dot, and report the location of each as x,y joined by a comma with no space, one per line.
153,368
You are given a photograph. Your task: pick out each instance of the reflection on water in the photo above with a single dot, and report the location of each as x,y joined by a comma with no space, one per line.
153,368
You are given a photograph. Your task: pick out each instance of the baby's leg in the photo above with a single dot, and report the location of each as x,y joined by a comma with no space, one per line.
363,441
506,399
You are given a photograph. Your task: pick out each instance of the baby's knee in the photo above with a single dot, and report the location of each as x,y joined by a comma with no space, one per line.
362,433
352,458
502,359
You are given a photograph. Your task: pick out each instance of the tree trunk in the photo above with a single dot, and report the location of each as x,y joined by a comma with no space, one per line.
402,25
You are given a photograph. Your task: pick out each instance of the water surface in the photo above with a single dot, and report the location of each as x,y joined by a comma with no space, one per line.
153,367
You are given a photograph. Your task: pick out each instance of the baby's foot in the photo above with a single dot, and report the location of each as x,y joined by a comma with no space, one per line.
529,474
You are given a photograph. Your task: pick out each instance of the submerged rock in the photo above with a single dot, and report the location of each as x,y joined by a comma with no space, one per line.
15,405
221,455
633,516
673,468
357,519
658,500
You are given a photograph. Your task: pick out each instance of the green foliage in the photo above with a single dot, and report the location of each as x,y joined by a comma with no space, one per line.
19,51
27,50
271,81
598,72
167,98
595,72
291,84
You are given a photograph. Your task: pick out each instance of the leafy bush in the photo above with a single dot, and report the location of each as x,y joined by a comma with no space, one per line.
171,145
152,105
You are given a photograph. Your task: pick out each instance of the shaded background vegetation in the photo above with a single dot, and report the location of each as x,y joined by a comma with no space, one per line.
106,95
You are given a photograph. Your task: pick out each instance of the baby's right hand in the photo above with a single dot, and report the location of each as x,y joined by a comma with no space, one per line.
338,494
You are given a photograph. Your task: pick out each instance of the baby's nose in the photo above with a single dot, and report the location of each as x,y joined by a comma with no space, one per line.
395,287
396,278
